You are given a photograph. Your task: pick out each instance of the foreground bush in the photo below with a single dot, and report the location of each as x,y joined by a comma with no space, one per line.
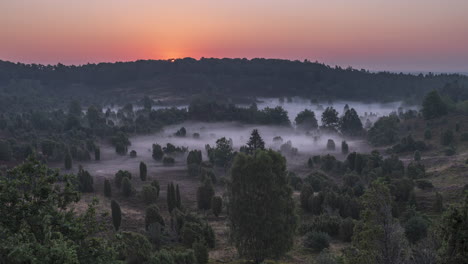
317,241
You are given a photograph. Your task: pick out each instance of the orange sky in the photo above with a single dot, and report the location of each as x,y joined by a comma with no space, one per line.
426,35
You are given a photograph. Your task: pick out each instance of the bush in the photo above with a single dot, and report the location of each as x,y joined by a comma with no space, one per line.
168,161
344,147
133,154
116,215
152,215
416,229
322,223
127,188
143,171
317,241
201,252
107,188
417,155
157,152
217,205
347,229
204,195
427,134
447,137
85,181
424,184
331,144
119,177
415,170
149,194
155,184
133,247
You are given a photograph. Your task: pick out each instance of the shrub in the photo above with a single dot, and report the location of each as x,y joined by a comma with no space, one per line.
127,188
424,184
217,205
116,215
143,171
107,188
133,154
168,161
201,252
154,233
295,181
416,170
149,194
306,193
119,177
447,137
317,241
344,147
416,229
347,229
152,215
417,155
322,223
427,134
204,195
85,181
157,152
331,144
155,184
133,247
194,157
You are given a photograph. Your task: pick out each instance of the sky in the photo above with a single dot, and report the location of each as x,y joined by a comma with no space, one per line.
394,35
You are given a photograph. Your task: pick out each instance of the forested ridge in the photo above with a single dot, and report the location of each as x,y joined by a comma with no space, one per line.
232,77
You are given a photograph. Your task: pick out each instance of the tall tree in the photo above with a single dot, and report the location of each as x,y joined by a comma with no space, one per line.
143,171
261,181
350,123
433,106
330,119
116,215
306,120
255,142
378,236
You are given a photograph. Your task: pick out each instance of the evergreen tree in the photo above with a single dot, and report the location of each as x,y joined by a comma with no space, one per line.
127,188
433,106
97,153
177,198
344,147
330,119
107,188
261,181
350,123
438,205
85,180
306,120
171,197
157,152
255,142
143,171
417,155
152,215
116,215
217,205
378,237
68,161
204,195
194,157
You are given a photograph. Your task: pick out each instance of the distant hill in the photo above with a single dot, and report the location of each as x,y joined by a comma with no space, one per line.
229,78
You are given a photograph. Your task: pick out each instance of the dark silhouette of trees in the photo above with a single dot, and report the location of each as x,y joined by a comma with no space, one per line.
306,120
330,120
350,123
433,106
255,142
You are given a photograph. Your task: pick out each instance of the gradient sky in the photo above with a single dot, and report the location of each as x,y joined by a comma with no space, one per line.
399,35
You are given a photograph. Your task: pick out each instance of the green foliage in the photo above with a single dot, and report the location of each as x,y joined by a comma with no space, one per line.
325,223
447,137
378,237
120,175
127,188
330,119
153,215
149,193
205,193
415,170
168,160
408,144
164,256
85,181
107,188
155,184
317,241
347,230
433,106
416,228
217,205
133,247
255,142
344,148
143,171
222,154
427,134
157,152
68,161
121,142
116,215
384,131
173,197
417,156
194,157
201,252
306,120
350,123
260,181
452,232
